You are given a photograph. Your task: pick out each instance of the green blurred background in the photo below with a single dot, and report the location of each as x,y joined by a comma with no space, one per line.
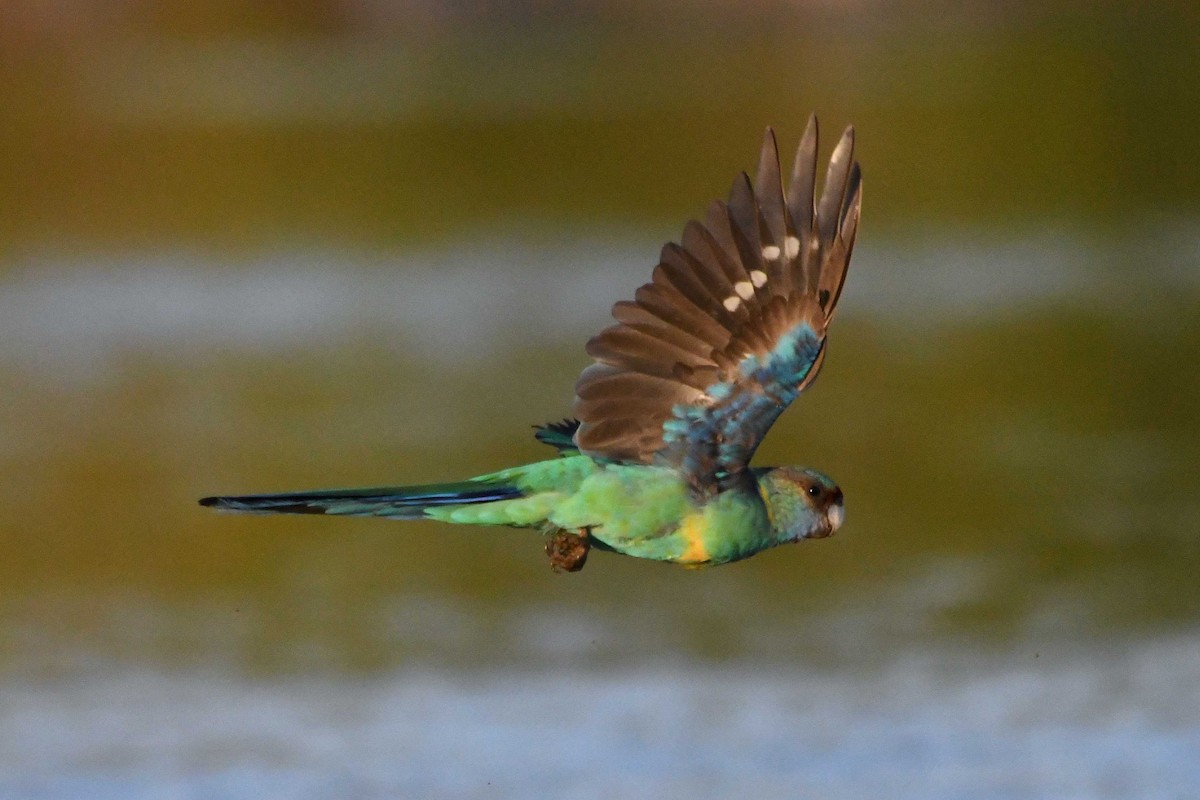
253,246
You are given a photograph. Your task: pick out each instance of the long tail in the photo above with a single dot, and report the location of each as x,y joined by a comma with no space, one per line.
392,502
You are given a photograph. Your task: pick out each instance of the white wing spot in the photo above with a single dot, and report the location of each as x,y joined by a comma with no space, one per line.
770,252
732,302
745,289
758,277
792,245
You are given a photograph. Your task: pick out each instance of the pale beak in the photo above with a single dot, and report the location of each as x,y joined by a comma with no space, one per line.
836,515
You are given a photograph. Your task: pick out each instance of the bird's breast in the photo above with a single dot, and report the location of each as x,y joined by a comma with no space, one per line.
693,532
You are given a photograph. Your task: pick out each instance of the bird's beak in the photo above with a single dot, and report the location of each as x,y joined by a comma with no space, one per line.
836,515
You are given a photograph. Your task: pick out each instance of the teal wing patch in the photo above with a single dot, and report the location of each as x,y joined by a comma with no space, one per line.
717,437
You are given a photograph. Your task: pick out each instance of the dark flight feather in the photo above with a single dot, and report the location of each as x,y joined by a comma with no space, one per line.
731,327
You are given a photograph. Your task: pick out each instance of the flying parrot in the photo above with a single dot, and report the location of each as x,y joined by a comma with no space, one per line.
655,463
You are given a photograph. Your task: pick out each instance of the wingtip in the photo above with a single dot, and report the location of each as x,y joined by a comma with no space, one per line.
811,130
853,190
846,143
740,191
768,159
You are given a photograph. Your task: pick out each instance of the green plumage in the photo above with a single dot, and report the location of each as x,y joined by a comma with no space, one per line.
642,511
728,332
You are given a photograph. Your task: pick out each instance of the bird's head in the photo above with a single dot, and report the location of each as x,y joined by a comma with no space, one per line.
802,503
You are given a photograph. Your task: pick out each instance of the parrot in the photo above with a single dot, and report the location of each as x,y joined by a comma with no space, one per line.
654,462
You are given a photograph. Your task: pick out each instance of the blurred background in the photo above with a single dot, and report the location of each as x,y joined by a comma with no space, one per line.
256,246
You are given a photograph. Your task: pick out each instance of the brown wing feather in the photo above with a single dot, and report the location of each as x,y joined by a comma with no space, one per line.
801,192
643,319
668,304
697,349
833,276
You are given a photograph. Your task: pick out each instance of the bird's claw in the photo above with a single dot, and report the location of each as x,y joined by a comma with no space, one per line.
568,551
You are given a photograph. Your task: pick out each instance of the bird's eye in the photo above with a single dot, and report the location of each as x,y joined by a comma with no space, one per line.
814,491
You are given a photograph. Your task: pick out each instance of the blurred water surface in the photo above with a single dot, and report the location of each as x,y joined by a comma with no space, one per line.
375,259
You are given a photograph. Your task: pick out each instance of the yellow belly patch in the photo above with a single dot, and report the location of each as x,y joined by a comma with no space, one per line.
692,530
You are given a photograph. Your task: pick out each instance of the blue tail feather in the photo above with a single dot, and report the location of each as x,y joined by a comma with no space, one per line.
396,502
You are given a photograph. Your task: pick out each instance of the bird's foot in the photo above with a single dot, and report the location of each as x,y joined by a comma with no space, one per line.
568,551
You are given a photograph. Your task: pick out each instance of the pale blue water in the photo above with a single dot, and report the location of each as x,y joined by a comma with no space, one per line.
1118,723
472,301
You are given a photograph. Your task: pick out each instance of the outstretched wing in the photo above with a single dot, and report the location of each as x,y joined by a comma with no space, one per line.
731,327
